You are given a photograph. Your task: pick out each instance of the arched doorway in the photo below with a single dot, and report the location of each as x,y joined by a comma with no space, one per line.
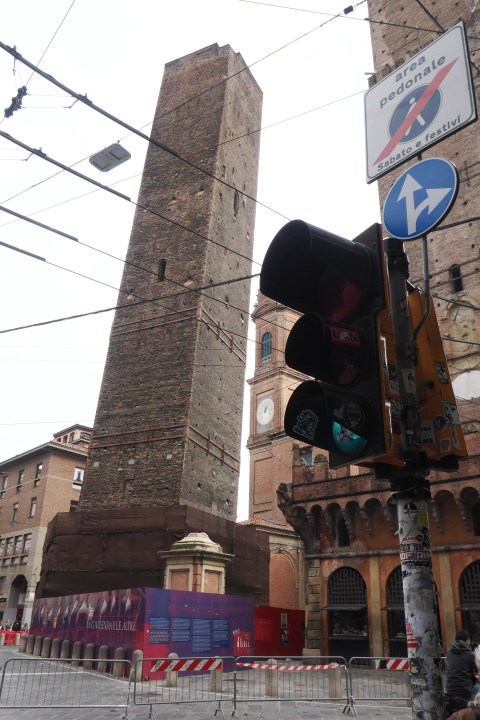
347,614
16,599
470,600
397,638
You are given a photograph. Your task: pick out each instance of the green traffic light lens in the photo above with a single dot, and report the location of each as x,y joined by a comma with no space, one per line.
346,441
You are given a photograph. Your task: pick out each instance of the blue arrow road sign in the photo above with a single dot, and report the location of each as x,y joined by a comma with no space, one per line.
420,198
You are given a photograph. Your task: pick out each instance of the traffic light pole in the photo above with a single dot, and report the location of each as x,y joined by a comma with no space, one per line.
411,491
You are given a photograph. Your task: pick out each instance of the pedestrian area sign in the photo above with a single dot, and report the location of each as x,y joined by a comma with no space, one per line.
421,103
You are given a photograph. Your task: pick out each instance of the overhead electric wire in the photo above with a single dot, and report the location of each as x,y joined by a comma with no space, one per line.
90,104
59,267
84,99
143,300
35,222
187,291
44,156
52,39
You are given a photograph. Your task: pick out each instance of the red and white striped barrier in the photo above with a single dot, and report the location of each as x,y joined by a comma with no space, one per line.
294,668
393,664
192,664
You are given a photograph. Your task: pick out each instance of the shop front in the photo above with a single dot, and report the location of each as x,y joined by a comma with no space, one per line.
347,616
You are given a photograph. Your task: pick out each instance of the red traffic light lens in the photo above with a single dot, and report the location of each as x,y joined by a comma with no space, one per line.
312,270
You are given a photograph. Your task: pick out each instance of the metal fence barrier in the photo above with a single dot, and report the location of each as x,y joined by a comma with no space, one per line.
173,680
378,680
53,683
81,683
291,678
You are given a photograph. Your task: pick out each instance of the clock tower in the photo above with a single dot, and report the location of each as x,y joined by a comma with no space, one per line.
270,388
271,452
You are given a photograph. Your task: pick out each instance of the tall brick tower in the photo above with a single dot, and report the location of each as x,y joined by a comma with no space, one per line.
168,422
399,31
164,457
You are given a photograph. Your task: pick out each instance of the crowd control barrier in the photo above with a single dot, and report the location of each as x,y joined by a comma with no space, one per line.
291,678
53,683
378,680
80,680
174,680
10,637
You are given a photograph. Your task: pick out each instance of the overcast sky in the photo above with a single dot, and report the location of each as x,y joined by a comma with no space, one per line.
313,70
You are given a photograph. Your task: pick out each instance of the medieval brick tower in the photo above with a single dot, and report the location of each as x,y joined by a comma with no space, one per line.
399,31
165,452
168,422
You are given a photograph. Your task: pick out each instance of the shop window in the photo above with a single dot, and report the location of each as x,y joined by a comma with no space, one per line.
470,600
347,614
266,346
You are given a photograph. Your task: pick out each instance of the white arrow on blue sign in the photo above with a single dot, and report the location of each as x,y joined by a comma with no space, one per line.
420,198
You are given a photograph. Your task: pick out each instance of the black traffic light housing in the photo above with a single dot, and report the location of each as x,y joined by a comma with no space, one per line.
339,285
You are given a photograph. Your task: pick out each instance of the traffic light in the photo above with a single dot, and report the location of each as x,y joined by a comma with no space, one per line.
339,286
440,428
441,436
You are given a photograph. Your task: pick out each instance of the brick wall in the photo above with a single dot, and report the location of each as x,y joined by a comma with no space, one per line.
168,421
395,38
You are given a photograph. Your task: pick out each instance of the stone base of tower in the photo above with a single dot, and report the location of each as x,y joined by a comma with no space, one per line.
90,551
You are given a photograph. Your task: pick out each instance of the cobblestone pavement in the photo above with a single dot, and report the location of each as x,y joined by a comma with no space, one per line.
263,710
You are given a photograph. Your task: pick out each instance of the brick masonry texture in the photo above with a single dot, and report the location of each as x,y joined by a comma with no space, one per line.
399,31
168,423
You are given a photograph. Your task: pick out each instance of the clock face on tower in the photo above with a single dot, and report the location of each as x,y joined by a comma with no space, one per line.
265,410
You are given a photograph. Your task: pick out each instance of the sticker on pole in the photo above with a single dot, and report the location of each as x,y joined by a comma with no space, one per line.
420,198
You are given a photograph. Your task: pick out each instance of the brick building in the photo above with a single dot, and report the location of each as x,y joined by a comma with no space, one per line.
346,518
34,486
165,453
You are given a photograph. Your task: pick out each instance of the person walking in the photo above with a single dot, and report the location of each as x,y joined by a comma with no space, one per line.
461,673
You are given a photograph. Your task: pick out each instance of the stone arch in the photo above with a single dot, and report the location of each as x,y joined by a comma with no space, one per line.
351,516
468,496
437,505
347,613
16,599
369,512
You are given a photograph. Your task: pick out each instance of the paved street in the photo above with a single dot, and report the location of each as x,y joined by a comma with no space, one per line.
263,710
